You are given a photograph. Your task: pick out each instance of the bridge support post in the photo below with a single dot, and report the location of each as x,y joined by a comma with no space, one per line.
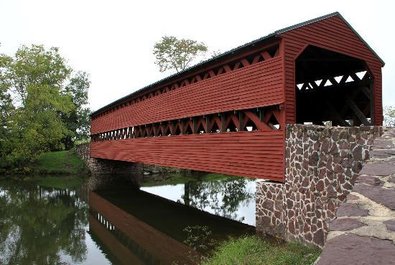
322,164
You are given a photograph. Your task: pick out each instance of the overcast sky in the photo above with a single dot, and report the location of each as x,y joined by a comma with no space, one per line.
113,40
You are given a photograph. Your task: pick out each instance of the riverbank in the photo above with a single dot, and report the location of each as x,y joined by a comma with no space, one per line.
60,163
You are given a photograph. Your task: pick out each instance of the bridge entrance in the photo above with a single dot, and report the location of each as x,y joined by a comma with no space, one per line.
332,89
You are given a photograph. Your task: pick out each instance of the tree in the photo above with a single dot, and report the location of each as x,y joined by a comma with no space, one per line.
42,104
177,54
389,116
6,109
78,120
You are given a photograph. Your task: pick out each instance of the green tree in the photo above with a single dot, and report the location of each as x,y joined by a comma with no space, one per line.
43,104
78,121
6,109
178,54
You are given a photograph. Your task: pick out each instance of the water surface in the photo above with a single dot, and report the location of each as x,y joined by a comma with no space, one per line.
120,224
41,225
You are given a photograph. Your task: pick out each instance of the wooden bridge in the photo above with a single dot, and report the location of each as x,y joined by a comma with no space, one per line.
229,114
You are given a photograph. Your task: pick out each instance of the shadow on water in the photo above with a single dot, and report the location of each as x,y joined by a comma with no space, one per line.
119,223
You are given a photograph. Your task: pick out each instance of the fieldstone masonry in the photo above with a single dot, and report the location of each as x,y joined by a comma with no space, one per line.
364,229
104,171
321,165
102,166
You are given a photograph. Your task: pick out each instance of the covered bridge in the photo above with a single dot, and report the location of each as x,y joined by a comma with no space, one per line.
228,114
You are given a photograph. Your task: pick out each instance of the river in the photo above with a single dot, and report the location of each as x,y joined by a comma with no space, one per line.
44,222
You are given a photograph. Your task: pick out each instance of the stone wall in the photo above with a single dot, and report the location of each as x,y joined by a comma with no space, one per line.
322,164
102,171
98,166
105,171
364,229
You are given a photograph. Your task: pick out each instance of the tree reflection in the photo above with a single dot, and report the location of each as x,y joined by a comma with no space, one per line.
223,197
39,225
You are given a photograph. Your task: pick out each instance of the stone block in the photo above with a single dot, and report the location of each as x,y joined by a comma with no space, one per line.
378,194
379,169
344,224
353,249
390,224
349,209
369,180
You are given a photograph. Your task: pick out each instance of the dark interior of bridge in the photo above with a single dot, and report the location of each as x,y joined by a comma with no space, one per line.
333,89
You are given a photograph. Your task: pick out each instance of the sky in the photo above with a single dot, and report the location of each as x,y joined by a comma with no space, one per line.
113,40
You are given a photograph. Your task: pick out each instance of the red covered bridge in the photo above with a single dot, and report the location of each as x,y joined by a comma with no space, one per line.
228,114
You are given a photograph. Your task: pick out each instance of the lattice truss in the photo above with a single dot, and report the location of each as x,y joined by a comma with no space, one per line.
344,100
258,119
264,54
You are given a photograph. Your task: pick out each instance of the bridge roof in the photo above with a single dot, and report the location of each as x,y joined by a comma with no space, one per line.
223,56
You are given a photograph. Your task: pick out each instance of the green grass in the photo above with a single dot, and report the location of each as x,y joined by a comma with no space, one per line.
60,163
252,250
172,179
180,178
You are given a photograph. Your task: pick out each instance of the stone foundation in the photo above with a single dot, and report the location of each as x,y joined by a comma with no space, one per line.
321,164
105,171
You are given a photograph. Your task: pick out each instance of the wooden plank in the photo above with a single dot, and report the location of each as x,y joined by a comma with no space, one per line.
252,86
251,154
357,111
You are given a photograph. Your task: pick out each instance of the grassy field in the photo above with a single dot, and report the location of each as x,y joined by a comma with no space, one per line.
252,250
60,163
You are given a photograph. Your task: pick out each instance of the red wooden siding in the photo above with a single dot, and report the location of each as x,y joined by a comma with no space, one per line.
257,85
259,75
332,34
252,154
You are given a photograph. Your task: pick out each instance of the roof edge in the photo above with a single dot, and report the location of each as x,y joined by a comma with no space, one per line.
360,37
305,23
274,35
195,67
318,19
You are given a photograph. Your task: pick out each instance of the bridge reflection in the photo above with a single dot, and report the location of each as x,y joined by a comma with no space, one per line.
130,240
135,227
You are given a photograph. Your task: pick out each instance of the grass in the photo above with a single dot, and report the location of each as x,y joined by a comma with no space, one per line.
60,163
172,179
252,250
180,178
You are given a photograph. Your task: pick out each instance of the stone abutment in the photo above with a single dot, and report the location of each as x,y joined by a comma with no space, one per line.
321,164
105,171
